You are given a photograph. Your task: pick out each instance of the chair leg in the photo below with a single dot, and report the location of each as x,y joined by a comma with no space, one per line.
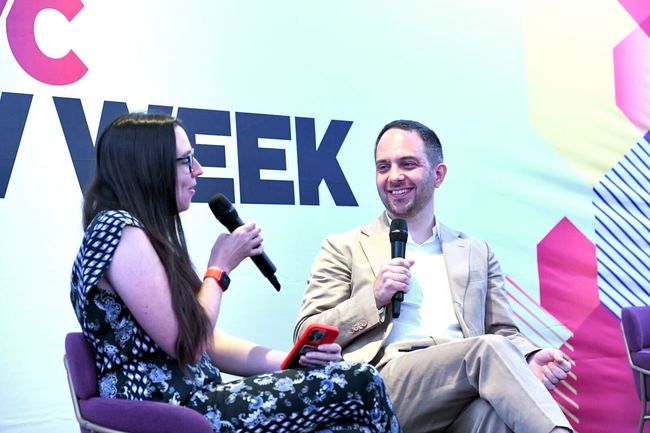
644,401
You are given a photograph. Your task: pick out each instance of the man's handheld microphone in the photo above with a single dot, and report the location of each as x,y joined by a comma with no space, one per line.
224,211
398,235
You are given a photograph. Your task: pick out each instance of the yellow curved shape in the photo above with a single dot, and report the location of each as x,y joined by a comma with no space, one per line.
570,69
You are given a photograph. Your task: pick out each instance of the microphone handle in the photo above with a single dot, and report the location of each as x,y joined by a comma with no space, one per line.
398,297
397,249
231,220
263,263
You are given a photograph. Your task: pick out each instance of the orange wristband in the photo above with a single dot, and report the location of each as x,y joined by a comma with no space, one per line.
220,276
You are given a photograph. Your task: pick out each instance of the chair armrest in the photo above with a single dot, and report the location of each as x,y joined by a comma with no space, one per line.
143,416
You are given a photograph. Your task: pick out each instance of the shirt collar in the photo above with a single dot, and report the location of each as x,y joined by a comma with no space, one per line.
436,229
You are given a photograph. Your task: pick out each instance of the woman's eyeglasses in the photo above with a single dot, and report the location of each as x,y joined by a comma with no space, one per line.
189,160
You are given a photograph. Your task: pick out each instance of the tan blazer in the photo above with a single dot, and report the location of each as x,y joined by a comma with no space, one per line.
340,289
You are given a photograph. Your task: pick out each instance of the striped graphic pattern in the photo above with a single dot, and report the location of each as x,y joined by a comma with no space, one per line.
540,327
622,213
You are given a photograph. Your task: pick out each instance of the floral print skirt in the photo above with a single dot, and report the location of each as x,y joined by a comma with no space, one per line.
338,397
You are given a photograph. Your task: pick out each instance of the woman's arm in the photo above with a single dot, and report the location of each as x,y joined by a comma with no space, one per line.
139,278
242,358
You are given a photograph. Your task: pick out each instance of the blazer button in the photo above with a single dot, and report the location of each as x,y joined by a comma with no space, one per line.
363,323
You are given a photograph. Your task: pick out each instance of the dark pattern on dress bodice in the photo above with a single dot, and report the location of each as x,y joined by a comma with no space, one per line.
129,363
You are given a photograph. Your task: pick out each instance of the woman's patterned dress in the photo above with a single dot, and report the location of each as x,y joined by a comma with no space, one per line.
342,396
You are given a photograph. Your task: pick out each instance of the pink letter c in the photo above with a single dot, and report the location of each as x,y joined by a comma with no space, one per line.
20,34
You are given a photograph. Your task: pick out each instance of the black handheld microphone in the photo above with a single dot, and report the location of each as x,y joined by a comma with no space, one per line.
398,235
225,212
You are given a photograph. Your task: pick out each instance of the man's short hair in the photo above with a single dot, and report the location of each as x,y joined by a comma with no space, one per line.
432,145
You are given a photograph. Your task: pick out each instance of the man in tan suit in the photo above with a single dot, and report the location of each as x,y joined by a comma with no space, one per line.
454,360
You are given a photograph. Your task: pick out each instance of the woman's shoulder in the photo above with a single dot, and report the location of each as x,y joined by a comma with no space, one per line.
107,226
116,217
100,240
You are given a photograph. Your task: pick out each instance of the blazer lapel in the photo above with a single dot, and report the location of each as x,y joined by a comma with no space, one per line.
456,253
375,243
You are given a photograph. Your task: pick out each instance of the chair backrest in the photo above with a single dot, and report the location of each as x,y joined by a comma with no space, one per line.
636,326
81,365
108,415
635,322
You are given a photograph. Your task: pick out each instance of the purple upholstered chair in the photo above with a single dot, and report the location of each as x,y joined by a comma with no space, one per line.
635,322
107,415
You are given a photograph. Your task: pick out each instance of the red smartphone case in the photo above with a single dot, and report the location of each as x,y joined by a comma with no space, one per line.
315,335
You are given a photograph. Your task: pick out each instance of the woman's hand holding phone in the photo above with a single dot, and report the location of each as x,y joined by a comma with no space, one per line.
325,353
314,347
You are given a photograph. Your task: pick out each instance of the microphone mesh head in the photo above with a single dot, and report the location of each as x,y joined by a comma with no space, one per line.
220,205
398,230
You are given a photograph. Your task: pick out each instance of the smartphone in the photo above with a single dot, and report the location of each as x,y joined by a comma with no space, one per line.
315,335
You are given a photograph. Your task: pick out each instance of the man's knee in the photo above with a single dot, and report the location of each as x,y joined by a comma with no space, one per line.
478,417
494,340
496,344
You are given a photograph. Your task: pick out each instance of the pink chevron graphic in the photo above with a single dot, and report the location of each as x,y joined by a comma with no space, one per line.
632,77
605,399
640,11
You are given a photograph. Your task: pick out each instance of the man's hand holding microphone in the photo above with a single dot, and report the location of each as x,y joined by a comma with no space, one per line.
393,279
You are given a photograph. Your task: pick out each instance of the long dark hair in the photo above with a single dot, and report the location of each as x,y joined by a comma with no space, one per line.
136,172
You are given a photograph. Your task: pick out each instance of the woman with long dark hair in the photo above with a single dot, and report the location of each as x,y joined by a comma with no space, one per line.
151,321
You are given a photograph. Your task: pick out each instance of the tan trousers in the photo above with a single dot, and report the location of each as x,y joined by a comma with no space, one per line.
479,384
478,417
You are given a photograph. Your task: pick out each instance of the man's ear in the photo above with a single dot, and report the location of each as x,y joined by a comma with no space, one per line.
440,172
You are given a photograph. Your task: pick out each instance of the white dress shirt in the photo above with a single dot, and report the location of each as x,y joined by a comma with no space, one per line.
427,310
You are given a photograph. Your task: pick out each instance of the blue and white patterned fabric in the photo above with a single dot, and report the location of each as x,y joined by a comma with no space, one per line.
343,396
